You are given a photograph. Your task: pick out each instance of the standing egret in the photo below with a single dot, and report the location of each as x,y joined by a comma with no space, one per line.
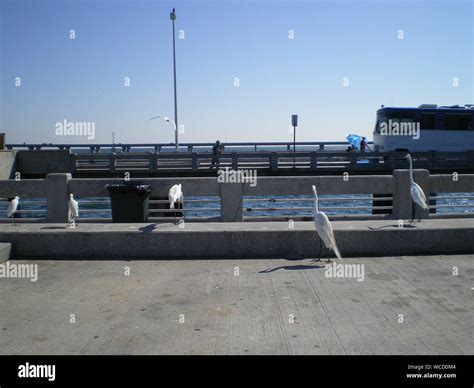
324,229
73,206
416,192
175,196
12,208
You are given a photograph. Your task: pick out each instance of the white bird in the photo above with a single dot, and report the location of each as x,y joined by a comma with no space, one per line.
73,206
416,192
167,119
324,229
12,208
175,196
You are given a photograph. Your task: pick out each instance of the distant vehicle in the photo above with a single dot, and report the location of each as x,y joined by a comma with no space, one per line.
426,128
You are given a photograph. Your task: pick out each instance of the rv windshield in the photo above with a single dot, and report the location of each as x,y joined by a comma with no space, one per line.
381,118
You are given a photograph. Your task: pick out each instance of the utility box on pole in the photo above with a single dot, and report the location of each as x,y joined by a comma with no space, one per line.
294,120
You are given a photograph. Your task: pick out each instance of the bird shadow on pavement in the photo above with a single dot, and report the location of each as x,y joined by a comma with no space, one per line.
298,267
408,226
148,229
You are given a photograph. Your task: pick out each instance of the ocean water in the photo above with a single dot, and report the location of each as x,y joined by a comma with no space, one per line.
260,206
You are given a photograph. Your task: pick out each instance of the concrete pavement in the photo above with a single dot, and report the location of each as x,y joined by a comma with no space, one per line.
404,305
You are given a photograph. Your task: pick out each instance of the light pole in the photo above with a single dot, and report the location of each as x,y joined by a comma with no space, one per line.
168,120
294,123
173,18
113,143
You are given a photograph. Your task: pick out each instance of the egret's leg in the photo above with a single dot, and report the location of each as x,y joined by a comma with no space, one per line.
319,254
328,259
412,212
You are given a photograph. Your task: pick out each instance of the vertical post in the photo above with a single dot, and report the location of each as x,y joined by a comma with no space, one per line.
112,162
173,18
153,162
274,162
72,163
314,161
402,202
422,178
57,197
235,161
232,204
294,145
294,138
194,161
113,143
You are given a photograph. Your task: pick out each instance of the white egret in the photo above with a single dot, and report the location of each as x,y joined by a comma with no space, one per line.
73,206
324,229
12,208
175,196
416,192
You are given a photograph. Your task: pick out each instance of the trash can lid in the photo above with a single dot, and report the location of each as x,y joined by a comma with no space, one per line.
128,188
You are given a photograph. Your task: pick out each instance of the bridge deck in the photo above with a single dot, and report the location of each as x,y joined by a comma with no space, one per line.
270,307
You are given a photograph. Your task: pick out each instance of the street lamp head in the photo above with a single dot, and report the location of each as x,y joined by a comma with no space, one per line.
173,15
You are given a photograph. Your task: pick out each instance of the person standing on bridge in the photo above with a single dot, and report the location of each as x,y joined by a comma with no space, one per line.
217,150
363,145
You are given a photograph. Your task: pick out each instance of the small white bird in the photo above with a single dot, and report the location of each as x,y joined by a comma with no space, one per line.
324,229
416,192
73,206
12,208
175,196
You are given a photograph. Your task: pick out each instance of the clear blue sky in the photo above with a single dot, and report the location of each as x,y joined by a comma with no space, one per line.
83,79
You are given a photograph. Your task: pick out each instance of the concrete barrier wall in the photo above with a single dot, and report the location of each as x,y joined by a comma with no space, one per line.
235,240
160,186
462,183
56,187
26,188
43,162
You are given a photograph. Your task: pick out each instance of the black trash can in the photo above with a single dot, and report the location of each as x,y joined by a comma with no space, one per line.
129,202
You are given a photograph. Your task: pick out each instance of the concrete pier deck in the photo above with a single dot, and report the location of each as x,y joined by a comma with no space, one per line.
240,307
236,240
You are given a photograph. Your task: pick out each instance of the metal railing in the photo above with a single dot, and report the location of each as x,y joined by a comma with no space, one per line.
158,147
33,163
271,161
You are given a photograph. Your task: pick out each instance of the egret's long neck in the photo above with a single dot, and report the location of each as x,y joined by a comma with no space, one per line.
411,171
316,210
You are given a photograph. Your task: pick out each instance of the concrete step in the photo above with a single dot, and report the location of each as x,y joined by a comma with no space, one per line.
236,240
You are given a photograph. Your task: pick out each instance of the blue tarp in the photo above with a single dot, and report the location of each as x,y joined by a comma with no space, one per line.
354,140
